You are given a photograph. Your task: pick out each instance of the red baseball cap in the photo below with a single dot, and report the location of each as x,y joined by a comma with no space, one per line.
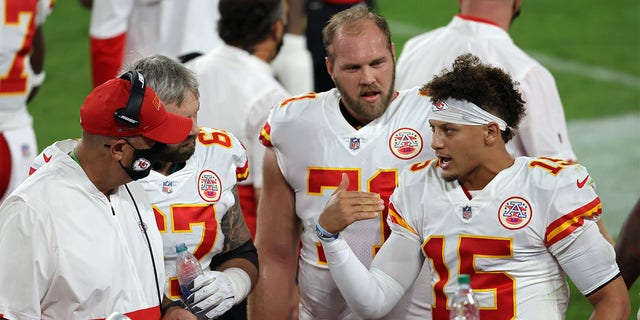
97,115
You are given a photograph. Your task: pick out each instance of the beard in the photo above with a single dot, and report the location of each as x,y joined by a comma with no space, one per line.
179,152
364,111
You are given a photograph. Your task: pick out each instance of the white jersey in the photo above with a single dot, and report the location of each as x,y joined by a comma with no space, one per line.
314,145
168,27
237,91
515,238
543,130
190,203
20,18
81,255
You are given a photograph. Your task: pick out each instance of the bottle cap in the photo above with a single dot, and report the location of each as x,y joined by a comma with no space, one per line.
181,247
464,279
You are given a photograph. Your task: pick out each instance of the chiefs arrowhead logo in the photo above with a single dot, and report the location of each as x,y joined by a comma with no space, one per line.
583,182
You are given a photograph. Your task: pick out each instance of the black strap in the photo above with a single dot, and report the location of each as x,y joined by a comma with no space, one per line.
188,56
153,262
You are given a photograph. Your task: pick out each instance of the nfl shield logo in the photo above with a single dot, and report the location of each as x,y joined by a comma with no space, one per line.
167,187
466,212
354,143
26,151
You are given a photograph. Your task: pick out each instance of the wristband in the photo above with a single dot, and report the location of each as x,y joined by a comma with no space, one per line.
240,283
325,235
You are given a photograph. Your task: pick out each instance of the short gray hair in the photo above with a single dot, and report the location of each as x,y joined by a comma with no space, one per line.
171,80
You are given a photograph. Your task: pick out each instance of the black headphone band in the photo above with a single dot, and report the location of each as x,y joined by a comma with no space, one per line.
130,114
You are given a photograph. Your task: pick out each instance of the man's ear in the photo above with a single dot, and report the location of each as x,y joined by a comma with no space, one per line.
393,51
115,149
327,63
278,29
516,5
492,133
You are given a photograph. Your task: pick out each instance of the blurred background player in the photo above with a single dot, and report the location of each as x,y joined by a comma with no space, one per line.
21,73
195,198
293,66
365,129
517,226
124,30
237,84
481,28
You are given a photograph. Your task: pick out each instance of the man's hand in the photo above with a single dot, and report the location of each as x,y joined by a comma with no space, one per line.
211,296
345,207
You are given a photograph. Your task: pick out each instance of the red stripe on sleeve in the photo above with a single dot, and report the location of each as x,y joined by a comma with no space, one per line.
397,219
265,135
242,173
568,223
311,95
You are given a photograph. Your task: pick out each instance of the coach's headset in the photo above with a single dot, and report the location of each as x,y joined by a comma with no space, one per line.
130,115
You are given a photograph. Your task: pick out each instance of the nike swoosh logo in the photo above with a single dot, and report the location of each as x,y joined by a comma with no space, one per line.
583,182
46,159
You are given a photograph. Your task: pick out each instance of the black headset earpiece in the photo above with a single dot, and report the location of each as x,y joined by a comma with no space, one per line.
130,114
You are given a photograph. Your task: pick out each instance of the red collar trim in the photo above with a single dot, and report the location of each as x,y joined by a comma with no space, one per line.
466,192
472,18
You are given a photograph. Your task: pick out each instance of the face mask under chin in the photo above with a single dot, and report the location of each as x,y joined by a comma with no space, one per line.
143,160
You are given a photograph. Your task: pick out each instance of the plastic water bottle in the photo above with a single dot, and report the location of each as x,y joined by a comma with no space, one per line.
187,268
464,305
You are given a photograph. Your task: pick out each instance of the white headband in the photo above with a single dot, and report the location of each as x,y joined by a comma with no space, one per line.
463,112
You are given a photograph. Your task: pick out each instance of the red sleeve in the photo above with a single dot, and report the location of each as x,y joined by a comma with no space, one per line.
106,57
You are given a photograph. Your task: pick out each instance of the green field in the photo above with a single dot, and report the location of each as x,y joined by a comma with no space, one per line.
591,47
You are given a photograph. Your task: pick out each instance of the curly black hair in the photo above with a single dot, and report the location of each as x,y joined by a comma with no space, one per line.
244,23
488,87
